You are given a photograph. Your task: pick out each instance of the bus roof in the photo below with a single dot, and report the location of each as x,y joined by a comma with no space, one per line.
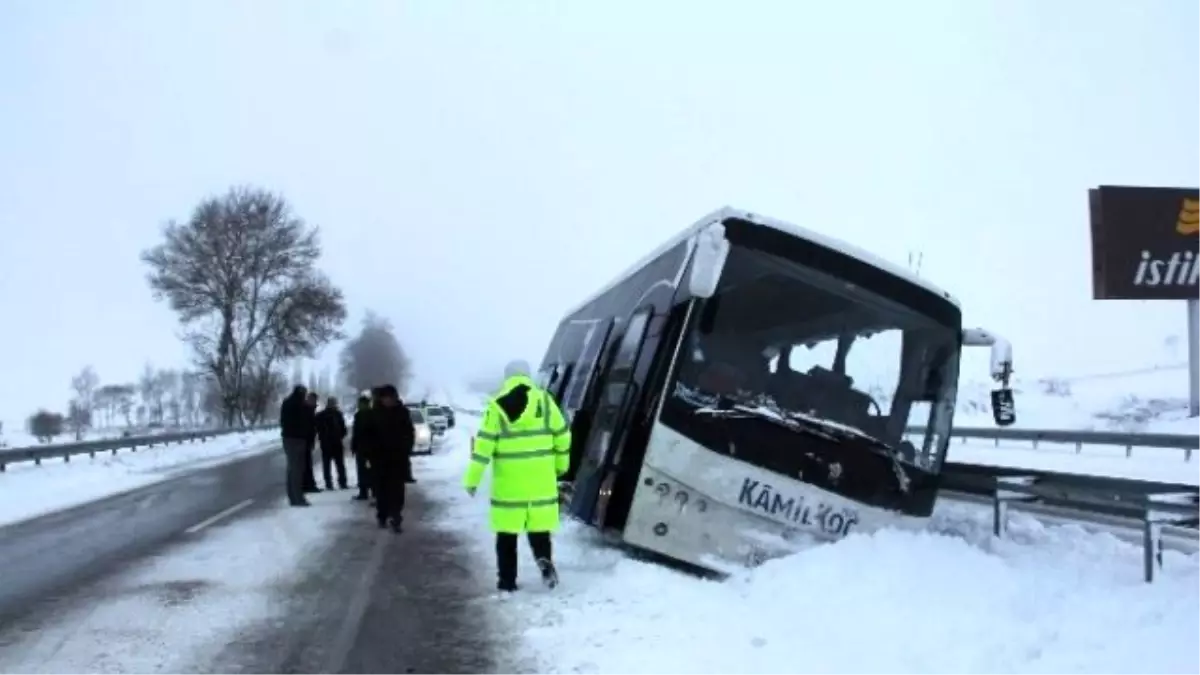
728,212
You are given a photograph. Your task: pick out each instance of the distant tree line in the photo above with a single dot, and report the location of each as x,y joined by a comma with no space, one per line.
159,398
241,274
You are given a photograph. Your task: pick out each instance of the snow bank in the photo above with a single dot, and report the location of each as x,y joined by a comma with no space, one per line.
173,613
28,490
950,599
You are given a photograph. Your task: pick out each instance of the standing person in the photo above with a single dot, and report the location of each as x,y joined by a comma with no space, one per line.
310,410
391,459
360,447
294,429
528,442
331,433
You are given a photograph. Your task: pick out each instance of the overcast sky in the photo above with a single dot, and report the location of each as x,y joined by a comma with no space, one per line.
453,151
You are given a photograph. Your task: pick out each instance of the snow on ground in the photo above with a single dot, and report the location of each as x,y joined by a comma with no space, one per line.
28,490
1152,399
950,599
1153,464
172,613
16,436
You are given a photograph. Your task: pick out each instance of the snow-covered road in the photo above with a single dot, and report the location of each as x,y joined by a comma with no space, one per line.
302,590
264,588
28,490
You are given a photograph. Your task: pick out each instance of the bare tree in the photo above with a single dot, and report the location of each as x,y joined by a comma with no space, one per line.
153,389
79,417
113,400
375,357
189,395
241,274
84,385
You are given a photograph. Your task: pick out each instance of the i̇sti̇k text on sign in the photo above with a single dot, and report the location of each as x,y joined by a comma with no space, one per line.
1144,243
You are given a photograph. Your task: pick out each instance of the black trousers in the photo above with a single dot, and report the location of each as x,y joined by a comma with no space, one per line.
335,455
390,491
310,479
506,553
294,449
363,468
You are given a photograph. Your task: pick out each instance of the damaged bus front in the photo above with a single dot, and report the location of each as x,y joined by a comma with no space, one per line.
778,386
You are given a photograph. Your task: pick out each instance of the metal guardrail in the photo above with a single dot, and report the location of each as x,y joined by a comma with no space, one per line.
37,453
1151,506
1186,442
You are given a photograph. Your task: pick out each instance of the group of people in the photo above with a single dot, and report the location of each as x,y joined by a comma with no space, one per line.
523,436
381,440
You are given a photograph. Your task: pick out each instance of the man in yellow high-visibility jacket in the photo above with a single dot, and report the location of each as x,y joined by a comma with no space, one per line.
527,441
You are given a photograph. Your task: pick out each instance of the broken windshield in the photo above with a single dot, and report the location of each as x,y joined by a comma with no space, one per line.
817,351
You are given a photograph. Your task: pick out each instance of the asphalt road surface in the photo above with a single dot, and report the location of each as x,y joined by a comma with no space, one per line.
381,603
57,553
374,601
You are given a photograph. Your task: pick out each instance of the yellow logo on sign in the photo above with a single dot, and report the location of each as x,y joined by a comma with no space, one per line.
1189,217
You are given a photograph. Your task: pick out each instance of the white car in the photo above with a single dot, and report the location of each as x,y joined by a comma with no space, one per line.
423,436
437,420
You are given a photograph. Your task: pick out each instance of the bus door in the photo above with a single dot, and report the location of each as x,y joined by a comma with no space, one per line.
617,392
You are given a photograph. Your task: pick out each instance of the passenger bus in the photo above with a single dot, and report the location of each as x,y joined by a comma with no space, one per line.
751,386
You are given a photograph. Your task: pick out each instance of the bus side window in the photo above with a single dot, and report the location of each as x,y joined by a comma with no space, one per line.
555,379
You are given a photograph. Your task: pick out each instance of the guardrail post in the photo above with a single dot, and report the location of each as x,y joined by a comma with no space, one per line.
1128,451
1152,524
1078,447
1004,496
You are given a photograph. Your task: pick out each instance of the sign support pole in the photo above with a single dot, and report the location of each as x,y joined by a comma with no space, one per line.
1193,310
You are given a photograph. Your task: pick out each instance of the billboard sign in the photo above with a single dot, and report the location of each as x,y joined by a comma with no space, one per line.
1144,243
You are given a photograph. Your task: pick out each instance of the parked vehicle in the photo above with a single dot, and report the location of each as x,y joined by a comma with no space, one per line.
750,382
422,433
437,419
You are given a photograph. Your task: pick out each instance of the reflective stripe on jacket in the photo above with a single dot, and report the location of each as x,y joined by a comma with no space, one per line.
525,439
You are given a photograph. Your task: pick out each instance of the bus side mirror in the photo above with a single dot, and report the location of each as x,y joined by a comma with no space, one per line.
1004,411
708,261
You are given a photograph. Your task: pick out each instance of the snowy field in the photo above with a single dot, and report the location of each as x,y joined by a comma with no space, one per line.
1153,464
14,435
28,490
1151,400
173,613
950,599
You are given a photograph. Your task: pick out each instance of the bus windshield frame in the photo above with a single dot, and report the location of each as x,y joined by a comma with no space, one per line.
872,364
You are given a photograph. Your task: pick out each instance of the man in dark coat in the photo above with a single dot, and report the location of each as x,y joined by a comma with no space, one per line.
391,456
310,408
331,433
360,447
293,423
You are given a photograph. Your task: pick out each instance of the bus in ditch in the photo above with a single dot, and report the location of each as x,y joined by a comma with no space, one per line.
751,386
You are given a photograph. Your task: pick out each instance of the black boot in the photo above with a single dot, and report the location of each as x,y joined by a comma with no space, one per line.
549,574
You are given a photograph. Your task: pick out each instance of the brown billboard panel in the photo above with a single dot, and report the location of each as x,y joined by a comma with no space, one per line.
1144,243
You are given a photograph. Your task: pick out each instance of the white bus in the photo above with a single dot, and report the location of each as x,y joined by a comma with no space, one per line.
751,385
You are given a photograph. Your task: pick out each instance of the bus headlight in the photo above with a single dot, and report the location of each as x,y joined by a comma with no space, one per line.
663,489
681,498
